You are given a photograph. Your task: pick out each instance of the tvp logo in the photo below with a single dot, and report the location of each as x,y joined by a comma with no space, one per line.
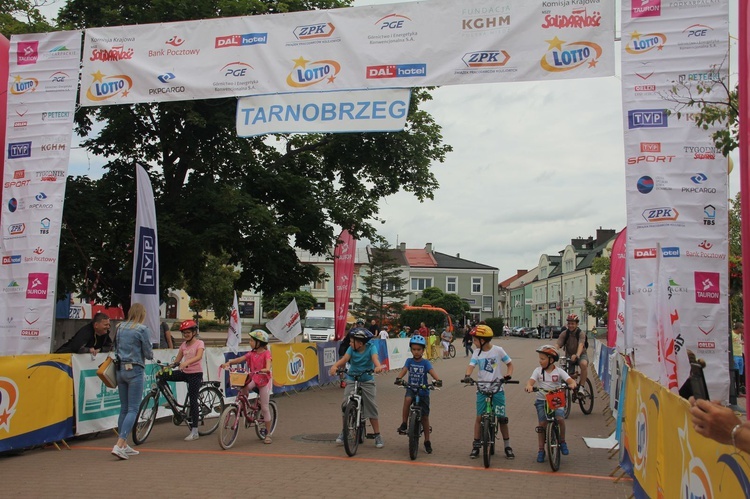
146,268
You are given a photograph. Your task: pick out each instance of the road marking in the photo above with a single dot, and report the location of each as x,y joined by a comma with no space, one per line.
357,459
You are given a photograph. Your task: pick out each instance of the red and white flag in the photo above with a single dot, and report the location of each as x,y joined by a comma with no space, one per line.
343,275
234,334
286,325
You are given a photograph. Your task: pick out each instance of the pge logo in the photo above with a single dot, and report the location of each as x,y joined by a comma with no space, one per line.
396,71
106,87
58,77
8,402
645,8
295,366
645,184
661,214
313,31
392,22
28,53
707,289
236,69
38,284
21,86
641,44
563,56
306,73
697,31
241,40
647,118
486,59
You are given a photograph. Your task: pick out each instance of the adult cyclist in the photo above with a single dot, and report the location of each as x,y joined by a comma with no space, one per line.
573,340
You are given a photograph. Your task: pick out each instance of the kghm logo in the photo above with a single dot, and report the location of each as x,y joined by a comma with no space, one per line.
20,86
640,44
392,21
306,73
313,31
396,71
241,40
486,59
105,87
562,56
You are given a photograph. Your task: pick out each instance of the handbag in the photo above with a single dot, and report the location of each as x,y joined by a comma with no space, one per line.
107,372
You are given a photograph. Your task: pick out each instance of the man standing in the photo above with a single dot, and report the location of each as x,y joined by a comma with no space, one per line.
373,327
92,338
573,340
424,332
737,349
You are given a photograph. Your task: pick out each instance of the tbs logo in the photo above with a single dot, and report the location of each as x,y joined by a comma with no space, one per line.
313,31
647,118
486,59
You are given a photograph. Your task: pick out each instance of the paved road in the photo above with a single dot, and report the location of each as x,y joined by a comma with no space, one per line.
303,460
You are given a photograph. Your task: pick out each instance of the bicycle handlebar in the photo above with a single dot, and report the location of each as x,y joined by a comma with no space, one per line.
501,381
355,376
409,386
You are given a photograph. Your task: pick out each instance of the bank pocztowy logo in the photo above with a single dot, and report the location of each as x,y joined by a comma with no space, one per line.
105,87
562,56
306,73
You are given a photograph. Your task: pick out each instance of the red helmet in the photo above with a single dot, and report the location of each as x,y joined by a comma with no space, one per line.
572,318
549,351
188,325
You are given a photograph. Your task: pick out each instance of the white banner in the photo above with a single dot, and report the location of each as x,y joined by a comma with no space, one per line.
441,42
318,112
398,352
676,181
234,334
41,101
145,285
286,325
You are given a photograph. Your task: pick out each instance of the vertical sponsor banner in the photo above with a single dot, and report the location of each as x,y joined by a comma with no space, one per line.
30,415
234,334
328,354
145,285
343,278
744,119
616,286
676,179
295,366
382,348
4,56
41,94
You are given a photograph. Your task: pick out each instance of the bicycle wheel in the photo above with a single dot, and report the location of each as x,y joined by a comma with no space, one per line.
229,426
493,433
351,429
553,445
568,401
451,351
210,405
486,438
260,425
146,417
586,401
413,433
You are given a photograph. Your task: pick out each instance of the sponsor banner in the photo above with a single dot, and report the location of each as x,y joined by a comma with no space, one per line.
442,42
328,355
398,352
382,110
30,416
343,277
295,366
43,76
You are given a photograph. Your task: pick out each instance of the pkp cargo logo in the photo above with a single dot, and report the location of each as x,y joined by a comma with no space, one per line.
314,31
106,87
707,289
396,71
562,56
486,59
647,118
8,402
645,8
306,73
20,86
241,40
641,44
28,53
37,287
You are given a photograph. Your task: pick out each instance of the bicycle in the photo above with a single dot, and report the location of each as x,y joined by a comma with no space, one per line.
242,409
451,350
553,400
210,405
414,426
586,399
354,420
489,421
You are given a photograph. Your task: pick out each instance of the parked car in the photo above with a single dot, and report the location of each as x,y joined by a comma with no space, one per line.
529,332
516,331
551,331
556,332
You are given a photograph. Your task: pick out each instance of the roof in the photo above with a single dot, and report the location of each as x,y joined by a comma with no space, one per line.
419,258
506,282
396,255
595,252
454,262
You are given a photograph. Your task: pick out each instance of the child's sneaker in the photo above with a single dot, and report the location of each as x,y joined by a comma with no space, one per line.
379,441
509,453
340,439
540,456
402,429
564,448
475,449
428,447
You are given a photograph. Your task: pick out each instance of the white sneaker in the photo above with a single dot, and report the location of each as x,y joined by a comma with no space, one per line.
379,442
192,436
119,452
340,439
130,451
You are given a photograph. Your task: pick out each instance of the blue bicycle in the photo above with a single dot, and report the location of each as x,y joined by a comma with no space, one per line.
414,426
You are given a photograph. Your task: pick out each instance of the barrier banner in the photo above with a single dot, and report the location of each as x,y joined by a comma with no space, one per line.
36,398
398,352
295,366
328,354
382,347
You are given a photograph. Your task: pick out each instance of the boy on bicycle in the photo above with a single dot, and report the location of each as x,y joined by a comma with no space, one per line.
418,368
362,356
488,357
549,377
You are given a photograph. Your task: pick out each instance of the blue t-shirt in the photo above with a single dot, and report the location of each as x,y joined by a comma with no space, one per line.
361,362
417,373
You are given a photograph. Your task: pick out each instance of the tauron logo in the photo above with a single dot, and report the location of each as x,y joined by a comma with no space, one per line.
707,289
37,287
645,8
27,53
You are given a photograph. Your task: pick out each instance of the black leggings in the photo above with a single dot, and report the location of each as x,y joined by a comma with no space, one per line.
194,381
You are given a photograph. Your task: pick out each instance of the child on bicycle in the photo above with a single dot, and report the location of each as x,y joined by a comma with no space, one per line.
418,368
549,377
189,359
362,356
259,362
488,357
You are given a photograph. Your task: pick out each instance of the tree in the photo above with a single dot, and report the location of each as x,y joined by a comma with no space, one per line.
254,200
23,16
305,301
600,306
214,284
383,289
451,303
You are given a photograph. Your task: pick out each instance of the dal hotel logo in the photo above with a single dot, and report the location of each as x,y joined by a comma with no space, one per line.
645,8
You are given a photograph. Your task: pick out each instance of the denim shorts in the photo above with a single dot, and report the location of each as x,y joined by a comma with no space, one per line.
541,413
424,401
498,401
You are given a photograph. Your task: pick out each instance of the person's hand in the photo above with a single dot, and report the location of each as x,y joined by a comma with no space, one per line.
379,369
225,365
507,377
183,365
574,357
438,383
332,371
528,388
467,379
712,420
397,381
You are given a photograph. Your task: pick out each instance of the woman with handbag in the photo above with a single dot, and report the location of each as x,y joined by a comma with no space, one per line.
132,347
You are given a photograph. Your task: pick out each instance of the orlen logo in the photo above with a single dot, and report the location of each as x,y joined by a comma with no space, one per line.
236,69
28,53
20,86
241,40
392,21
105,87
396,71
563,56
640,44
8,402
175,41
29,332
650,146
306,73
11,259
644,253
707,289
313,31
707,345
661,214
486,59
647,118
578,18
645,8
37,288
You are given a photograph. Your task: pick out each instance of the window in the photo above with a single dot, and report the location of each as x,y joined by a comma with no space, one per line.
420,283
390,286
451,284
476,285
320,285
487,303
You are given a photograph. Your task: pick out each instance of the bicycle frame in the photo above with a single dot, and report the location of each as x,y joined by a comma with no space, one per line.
355,397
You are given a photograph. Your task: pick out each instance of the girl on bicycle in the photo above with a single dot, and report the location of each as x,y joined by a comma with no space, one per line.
549,377
189,359
259,363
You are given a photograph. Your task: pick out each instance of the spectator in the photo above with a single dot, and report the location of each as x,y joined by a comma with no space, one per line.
373,327
467,343
714,421
446,338
403,333
384,334
165,339
423,331
739,362
92,338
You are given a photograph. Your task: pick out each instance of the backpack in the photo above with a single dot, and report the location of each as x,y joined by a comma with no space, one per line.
585,337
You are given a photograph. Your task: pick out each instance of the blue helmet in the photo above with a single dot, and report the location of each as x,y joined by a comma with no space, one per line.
417,340
361,334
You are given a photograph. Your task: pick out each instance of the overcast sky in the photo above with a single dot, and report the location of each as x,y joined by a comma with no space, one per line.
534,164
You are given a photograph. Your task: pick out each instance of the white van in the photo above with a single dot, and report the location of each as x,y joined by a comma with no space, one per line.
320,326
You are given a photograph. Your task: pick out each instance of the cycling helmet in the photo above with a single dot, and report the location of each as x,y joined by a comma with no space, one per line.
417,340
259,334
360,321
361,334
482,331
572,318
188,325
549,351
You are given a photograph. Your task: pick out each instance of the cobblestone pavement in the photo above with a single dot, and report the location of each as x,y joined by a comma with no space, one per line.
304,461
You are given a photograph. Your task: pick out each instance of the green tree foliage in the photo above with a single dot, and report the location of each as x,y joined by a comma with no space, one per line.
256,200
23,16
433,319
278,302
496,323
451,303
600,305
214,284
383,289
